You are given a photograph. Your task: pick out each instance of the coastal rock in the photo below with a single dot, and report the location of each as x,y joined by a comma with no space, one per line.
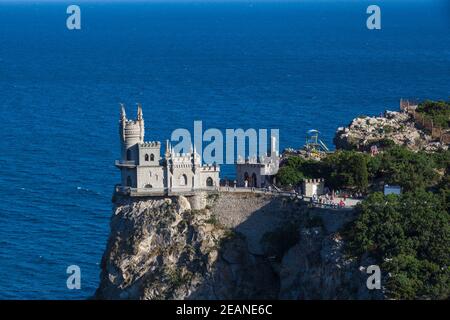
393,127
161,249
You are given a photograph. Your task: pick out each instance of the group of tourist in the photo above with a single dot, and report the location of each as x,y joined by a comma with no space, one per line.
327,200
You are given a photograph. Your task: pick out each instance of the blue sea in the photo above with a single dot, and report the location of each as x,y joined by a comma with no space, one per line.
252,64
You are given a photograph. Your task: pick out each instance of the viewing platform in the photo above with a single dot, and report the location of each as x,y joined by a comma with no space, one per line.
125,163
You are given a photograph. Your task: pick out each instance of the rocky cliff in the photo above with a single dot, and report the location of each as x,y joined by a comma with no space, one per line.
394,127
239,246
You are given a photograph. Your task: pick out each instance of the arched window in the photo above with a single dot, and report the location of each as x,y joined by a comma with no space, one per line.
148,186
183,180
246,180
128,154
146,157
254,184
209,182
152,157
128,181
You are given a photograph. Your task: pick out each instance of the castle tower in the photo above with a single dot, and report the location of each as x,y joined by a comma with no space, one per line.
167,152
131,133
273,147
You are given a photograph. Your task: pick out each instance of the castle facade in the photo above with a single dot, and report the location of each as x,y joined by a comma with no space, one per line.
258,172
143,169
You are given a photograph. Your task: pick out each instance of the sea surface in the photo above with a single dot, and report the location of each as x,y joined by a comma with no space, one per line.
284,65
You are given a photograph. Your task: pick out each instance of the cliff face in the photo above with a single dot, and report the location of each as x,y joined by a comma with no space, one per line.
240,246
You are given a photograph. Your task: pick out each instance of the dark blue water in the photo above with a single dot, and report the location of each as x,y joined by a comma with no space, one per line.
290,66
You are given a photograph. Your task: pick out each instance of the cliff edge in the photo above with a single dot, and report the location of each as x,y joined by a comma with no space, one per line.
239,246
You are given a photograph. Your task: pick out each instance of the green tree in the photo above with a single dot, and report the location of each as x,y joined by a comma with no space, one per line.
289,176
413,278
295,169
408,169
346,169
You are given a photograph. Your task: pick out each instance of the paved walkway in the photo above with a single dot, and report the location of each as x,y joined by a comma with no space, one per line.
143,192
349,202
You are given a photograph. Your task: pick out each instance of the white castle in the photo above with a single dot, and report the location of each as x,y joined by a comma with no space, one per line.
144,171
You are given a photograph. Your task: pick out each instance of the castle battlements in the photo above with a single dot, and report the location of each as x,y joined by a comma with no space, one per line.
150,144
314,180
210,167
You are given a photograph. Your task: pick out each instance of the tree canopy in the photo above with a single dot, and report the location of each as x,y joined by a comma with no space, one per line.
438,111
409,237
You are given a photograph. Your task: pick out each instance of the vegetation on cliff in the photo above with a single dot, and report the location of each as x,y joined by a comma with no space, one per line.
360,171
340,169
408,235
438,111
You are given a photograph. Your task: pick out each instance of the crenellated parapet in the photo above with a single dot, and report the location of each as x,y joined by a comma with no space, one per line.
314,181
150,144
210,168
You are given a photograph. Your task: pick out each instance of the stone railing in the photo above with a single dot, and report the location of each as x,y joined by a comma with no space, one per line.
160,191
136,192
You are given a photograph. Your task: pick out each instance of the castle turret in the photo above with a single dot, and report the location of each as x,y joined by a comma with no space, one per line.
132,133
167,153
140,120
273,147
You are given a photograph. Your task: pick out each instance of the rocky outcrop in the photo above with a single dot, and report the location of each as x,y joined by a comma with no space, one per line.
161,249
237,247
316,268
394,127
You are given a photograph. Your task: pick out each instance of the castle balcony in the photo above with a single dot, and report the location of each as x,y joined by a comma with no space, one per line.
125,163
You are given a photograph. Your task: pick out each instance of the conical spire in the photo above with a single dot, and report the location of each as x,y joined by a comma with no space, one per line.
167,148
139,112
123,115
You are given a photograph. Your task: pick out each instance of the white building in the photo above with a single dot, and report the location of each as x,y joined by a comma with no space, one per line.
258,172
144,170
313,187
